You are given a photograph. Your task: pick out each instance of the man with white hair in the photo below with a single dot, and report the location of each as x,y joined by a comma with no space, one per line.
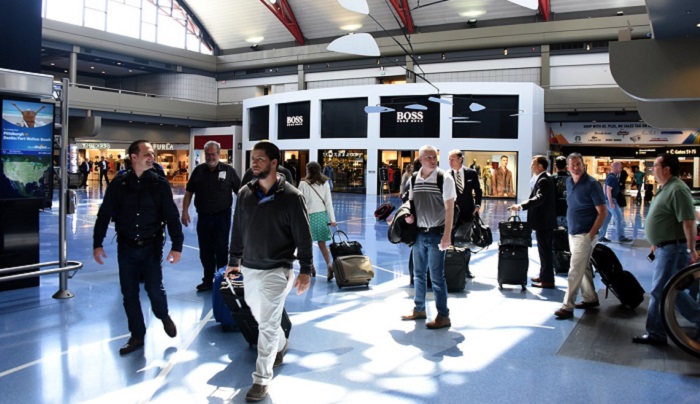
612,188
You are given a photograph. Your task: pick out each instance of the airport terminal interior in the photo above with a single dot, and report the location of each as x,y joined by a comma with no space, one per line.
359,86
346,345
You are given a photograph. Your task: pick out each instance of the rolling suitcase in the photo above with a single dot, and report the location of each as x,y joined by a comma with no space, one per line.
622,283
383,211
455,270
513,263
562,253
222,314
234,295
352,270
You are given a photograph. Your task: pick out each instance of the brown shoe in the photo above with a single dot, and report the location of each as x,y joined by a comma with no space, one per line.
587,305
256,393
543,285
563,314
440,322
415,315
536,280
131,345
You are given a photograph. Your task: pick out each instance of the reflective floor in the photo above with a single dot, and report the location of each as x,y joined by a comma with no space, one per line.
346,345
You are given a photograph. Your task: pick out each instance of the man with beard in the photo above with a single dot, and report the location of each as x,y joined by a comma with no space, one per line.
270,222
213,183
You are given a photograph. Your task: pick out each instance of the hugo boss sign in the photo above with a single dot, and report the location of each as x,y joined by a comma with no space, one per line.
293,120
404,122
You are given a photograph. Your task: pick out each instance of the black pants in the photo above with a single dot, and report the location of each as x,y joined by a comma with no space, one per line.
83,179
544,247
213,235
136,263
104,174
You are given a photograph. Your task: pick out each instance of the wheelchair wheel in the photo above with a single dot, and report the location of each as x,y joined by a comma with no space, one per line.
682,332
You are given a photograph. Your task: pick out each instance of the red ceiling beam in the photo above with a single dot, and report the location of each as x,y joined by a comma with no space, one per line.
544,9
284,13
404,12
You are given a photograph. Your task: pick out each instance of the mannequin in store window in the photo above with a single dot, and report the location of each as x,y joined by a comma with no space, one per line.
503,179
476,167
487,177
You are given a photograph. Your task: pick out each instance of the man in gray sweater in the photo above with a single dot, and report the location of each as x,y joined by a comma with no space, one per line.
270,222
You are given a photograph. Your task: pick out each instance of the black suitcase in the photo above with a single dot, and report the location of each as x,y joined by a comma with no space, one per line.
515,232
383,211
561,262
455,270
234,297
513,263
562,253
622,283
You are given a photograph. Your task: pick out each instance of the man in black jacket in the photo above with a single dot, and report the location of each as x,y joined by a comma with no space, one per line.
468,190
542,216
270,222
140,201
560,190
213,185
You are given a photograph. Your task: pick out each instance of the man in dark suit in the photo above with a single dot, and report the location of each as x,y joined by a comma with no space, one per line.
468,190
542,217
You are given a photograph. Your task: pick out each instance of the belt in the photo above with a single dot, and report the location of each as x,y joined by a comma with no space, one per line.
438,229
669,242
137,242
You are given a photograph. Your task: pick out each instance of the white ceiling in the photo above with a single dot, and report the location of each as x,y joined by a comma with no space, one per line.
234,24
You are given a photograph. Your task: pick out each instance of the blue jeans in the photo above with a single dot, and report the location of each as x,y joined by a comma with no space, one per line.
213,236
670,259
135,262
619,222
426,254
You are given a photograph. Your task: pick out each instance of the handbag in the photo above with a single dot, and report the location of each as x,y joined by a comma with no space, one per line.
462,234
341,248
481,233
621,200
353,270
515,232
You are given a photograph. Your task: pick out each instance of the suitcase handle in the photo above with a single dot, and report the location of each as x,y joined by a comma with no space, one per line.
340,239
515,217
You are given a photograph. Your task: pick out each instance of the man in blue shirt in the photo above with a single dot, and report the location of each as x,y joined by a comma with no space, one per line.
612,188
585,213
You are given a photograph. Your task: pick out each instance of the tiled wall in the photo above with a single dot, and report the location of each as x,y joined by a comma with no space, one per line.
342,83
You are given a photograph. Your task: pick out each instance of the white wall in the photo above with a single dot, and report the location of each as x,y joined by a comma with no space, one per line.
581,71
532,138
235,131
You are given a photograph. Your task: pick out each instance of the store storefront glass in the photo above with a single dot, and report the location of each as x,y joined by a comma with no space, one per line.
296,161
497,170
395,161
174,158
349,169
113,153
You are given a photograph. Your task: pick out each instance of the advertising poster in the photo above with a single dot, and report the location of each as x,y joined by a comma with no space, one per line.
27,129
619,133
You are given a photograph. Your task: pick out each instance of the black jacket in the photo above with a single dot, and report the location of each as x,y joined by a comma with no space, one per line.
470,192
266,231
400,231
139,207
541,211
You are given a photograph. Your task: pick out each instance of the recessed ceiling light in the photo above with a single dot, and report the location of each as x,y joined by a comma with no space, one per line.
119,63
255,39
92,67
472,13
104,72
351,27
53,64
130,70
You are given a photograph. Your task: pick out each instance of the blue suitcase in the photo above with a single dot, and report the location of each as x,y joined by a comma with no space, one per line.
222,314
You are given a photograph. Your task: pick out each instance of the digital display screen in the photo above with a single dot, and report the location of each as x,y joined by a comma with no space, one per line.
497,120
26,149
259,128
344,118
406,122
293,120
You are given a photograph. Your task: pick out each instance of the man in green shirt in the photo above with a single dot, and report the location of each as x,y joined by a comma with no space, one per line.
670,228
638,176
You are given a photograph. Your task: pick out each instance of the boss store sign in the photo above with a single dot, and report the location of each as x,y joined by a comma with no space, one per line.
293,120
405,122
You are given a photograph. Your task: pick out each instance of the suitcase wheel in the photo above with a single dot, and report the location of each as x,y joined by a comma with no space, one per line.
523,288
500,286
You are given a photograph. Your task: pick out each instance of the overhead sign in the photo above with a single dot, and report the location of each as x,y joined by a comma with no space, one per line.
94,146
621,133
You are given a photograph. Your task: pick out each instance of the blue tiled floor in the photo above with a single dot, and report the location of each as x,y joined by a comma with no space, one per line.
346,346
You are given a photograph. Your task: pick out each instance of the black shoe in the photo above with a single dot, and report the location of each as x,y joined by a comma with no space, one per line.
132,345
169,327
646,339
470,275
204,286
603,240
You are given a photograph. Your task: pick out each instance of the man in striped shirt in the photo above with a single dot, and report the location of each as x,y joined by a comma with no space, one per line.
433,210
